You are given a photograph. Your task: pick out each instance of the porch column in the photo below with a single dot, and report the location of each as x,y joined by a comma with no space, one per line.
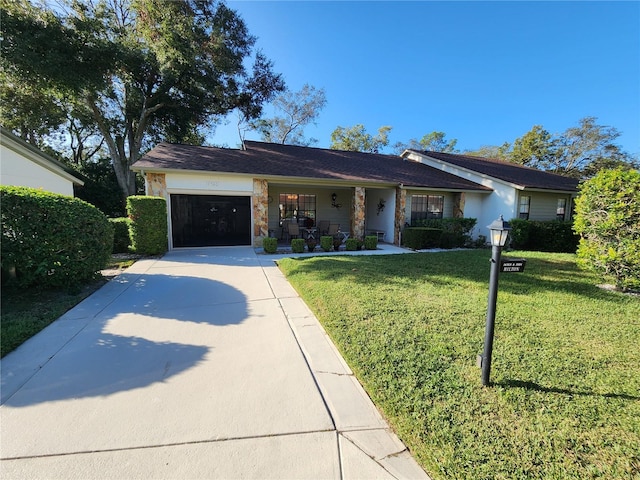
260,211
358,212
156,185
399,221
458,205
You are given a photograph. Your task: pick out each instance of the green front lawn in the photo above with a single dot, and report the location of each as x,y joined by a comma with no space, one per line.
566,362
24,312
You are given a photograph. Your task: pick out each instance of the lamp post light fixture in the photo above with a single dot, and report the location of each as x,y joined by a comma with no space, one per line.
499,232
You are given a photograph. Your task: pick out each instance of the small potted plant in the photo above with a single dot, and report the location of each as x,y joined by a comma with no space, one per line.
311,244
336,244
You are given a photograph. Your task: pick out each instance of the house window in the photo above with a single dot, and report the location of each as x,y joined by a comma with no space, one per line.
525,204
425,207
561,209
297,207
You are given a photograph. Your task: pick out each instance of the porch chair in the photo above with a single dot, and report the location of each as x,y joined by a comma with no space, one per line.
293,231
333,229
323,227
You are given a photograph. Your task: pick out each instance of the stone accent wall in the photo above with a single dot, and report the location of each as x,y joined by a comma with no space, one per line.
260,211
401,204
358,212
458,205
157,185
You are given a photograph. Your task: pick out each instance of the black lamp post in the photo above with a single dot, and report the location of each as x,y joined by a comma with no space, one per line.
499,233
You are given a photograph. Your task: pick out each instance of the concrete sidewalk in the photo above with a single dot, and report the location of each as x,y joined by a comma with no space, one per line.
202,364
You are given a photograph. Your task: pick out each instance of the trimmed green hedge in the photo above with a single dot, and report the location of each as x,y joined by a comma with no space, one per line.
121,241
51,240
148,229
297,245
371,242
551,236
419,238
326,242
456,232
351,244
270,245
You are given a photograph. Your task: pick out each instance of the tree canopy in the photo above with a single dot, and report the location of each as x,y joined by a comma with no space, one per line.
134,71
296,109
434,142
579,151
356,139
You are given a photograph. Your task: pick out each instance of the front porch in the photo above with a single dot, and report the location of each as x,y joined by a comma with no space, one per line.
339,210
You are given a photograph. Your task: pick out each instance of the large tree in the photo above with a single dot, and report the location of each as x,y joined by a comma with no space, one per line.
434,142
295,111
579,151
534,149
356,139
140,70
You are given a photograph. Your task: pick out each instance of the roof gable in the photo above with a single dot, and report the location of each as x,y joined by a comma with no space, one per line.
525,177
276,160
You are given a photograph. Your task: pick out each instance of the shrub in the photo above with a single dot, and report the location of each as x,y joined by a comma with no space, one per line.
608,221
311,244
326,242
148,227
297,245
456,232
51,240
121,241
270,245
351,244
418,238
371,242
550,236
336,243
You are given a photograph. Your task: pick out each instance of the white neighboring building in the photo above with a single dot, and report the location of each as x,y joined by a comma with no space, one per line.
23,165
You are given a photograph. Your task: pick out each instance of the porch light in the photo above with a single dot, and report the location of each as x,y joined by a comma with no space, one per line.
499,232
334,197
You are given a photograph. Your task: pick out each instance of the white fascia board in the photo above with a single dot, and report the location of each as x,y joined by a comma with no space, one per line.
450,168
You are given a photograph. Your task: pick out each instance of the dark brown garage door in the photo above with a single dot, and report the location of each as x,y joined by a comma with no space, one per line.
210,220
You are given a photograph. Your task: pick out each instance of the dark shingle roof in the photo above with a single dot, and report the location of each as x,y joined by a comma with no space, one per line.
509,172
270,159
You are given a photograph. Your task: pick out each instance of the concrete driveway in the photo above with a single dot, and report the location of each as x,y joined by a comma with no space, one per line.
204,363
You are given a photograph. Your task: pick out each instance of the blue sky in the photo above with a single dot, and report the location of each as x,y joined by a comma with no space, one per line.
482,72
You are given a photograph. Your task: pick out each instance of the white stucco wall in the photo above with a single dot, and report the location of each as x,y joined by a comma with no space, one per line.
384,220
502,201
20,171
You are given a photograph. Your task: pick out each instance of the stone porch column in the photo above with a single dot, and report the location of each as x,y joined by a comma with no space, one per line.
399,220
260,211
458,205
358,212
156,185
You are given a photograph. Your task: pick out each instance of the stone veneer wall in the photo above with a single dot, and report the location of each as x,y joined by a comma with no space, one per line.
358,212
458,205
260,211
399,221
157,185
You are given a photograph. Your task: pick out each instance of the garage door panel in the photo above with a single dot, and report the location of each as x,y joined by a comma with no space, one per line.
210,220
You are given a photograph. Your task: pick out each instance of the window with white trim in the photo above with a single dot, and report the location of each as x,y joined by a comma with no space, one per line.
525,206
561,209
